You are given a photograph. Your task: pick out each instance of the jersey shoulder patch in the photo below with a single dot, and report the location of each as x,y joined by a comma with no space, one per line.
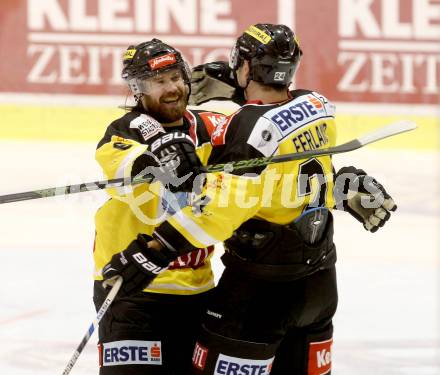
212,121
148,127
222,123
264,137
300,111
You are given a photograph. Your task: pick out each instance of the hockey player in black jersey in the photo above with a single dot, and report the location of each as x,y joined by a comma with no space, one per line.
150,328
272,310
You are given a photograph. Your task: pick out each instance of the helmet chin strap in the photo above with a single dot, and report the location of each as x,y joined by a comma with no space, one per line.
138,97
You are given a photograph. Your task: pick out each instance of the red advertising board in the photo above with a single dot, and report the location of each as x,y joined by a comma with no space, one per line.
354,50
371,51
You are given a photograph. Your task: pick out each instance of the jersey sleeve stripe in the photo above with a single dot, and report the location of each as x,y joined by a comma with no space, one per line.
182,234
196,234
202,238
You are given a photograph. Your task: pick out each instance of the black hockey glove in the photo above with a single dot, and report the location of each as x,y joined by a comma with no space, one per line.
214,81
171,159
138,265
363,197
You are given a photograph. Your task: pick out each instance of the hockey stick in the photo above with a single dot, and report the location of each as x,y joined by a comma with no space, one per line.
374,136
104,307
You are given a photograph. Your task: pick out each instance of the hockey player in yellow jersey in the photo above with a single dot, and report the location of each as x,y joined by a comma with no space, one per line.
273,307
140,334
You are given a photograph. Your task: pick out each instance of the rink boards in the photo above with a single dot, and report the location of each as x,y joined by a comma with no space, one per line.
85,118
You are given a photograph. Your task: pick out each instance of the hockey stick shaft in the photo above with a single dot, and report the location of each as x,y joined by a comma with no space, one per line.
377,135
102,310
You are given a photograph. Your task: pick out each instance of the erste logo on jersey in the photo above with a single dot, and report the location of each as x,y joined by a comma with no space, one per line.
129,352
147,126
320,357
300,111
227,365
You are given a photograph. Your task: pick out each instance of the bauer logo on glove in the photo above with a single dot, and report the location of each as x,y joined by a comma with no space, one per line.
171,159
138,265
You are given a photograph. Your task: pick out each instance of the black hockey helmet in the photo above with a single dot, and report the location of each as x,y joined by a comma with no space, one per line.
273,52
149,59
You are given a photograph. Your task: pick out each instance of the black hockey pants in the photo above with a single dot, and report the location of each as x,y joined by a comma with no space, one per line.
148,334
255,327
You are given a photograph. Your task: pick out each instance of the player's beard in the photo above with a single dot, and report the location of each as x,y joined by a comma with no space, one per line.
168,108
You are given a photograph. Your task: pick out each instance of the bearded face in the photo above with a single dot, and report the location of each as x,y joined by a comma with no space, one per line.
165,96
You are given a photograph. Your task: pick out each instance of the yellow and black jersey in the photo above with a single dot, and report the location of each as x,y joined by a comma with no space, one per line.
277,193
141,208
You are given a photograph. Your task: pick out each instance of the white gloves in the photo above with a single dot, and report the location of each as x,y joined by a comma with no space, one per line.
363,197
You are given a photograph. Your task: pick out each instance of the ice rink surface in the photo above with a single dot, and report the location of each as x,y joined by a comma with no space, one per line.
388,317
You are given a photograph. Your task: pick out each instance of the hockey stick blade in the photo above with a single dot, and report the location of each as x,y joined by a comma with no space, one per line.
387,131
104,307
377,135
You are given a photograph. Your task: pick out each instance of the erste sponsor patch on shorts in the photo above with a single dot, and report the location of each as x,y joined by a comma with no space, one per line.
130,352
227,365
